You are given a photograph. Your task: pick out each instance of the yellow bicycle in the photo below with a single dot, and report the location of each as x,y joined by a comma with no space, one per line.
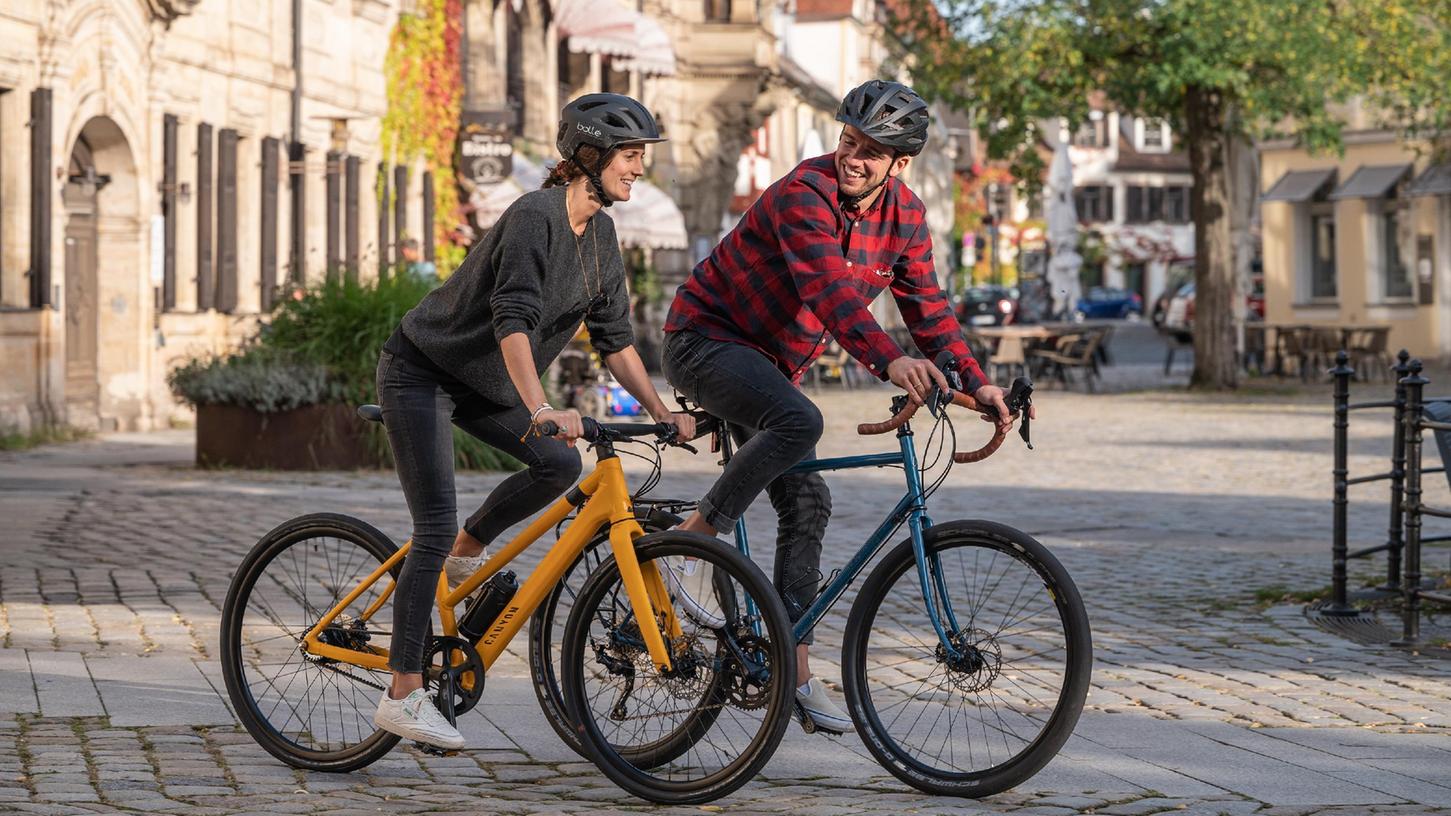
694,705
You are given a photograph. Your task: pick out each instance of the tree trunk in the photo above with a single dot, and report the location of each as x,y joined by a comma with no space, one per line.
1208,135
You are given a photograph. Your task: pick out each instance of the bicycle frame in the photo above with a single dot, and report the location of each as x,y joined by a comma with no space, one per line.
911,508
603,500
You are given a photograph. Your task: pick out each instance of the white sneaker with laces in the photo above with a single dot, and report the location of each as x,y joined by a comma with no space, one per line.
415,717
823,712
459,568
691,581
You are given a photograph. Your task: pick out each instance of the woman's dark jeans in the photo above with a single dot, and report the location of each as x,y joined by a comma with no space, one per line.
416,413
777,426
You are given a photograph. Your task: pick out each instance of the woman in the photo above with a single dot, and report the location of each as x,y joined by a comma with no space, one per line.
476,347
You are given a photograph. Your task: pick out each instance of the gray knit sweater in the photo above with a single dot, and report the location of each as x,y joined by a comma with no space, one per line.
525,276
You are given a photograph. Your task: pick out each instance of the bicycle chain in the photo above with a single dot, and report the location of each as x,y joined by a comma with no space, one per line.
318,661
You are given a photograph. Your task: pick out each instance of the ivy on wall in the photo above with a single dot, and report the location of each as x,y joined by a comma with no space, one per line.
425,96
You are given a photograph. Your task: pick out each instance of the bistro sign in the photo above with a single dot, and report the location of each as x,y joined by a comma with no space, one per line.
485,145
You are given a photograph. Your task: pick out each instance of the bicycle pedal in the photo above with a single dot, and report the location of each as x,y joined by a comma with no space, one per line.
810,725
807,724
434,750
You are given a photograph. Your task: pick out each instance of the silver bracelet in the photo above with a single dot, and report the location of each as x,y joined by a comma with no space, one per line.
534,418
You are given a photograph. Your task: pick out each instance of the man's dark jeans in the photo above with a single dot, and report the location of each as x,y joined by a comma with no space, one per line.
776,426
416,413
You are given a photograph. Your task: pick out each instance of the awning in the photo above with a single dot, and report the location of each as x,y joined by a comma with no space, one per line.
1298,186
1372,181
649,219
1436,180
609,27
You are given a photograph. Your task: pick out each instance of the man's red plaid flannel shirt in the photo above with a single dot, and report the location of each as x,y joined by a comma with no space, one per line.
797,267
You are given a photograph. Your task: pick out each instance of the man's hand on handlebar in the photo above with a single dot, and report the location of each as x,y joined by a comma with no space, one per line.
997,397
916,377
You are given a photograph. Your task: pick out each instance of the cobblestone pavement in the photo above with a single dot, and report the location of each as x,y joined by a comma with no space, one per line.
1170,510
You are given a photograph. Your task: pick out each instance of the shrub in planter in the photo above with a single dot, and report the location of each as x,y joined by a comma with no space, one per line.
321,349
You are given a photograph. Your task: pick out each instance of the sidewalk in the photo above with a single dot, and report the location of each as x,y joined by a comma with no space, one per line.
1169,510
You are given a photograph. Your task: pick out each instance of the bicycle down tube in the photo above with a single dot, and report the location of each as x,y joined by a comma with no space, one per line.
603,500
911,508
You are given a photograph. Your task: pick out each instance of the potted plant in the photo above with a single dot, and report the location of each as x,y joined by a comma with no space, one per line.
288,398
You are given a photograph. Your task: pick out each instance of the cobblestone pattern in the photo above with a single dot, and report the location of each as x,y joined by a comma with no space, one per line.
1170,511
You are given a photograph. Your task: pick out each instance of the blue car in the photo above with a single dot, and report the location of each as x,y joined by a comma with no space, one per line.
1106,303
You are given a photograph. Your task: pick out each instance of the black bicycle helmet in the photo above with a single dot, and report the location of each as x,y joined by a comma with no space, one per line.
889,112
605,121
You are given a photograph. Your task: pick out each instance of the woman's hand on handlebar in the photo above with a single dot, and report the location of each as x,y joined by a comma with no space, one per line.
571,427
684,425
997,398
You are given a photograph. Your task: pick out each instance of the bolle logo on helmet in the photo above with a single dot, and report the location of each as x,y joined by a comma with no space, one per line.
588,130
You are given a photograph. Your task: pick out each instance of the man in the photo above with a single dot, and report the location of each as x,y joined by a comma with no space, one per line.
804,262
414,263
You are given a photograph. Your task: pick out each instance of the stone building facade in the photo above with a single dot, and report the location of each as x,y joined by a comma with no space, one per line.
147,194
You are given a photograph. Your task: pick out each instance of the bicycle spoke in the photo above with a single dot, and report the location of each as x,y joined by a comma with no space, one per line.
989,707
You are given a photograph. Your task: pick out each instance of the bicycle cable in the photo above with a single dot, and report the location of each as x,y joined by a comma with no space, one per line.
942,419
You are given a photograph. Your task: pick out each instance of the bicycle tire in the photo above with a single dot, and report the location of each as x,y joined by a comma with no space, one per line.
648,777
995,541
270,735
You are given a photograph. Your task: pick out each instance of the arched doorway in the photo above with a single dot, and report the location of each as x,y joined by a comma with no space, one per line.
103,304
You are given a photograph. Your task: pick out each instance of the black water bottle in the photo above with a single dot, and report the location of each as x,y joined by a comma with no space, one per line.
485,609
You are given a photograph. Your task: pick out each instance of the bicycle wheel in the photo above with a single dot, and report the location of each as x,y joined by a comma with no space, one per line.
988,721
741,674
310,712
546,627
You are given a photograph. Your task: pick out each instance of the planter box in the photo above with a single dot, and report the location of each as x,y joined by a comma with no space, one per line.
314,437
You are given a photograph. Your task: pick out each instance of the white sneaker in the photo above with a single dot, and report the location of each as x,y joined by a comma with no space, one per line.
415,717
459,568
824,714
691,581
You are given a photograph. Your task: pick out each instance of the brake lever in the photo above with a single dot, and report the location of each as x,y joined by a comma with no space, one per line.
939,399
673,439
1020,402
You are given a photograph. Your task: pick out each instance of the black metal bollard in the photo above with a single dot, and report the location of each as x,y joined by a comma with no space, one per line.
1394,542
1342,372
1411,582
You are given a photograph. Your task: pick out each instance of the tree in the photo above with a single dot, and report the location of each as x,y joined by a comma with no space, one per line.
1221,72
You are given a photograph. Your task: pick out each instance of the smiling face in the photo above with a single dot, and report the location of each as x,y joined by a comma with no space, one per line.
627,165
862,163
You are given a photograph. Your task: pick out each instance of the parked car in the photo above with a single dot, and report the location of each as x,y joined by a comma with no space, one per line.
1179,316
1104,302
1180,272
988,306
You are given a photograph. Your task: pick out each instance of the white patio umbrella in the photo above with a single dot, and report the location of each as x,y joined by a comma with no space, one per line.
1065,262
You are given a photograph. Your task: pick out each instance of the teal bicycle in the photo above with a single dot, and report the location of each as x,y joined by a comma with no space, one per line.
967,653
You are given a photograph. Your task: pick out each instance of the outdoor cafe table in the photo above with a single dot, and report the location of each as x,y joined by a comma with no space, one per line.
1277,333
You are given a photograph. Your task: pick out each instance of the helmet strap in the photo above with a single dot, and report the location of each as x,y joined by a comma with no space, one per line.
853,201
593,174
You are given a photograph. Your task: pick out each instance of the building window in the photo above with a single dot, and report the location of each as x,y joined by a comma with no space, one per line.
1176,204
1395,272
1094,132
1094,203
1167,204
1322,251
1153,136
717,11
